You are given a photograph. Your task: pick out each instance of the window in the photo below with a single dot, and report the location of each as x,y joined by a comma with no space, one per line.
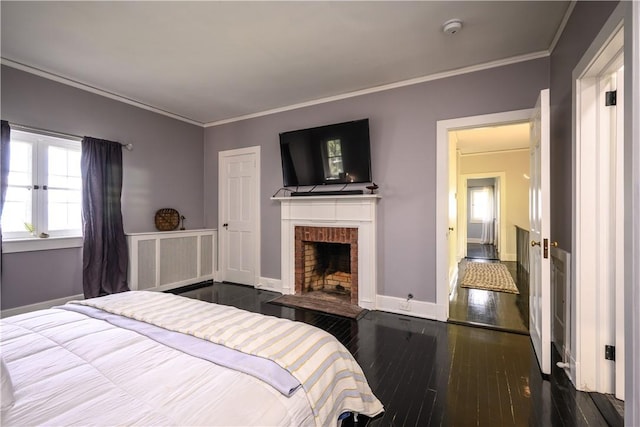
334,158
480,204
44,187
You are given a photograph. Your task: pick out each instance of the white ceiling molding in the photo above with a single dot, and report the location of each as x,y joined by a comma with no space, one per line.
89,88
488,153
418,80
563,24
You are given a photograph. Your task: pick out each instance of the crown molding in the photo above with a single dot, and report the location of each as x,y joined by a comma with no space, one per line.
489,153
92,89
417,80
562,25
414,81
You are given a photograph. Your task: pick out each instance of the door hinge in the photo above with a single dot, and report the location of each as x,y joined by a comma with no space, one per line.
610,98
610,352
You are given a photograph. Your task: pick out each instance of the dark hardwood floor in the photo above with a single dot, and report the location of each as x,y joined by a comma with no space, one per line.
481,251
434,373
499,310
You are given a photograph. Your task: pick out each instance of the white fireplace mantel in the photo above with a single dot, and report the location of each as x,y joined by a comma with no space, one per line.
357,211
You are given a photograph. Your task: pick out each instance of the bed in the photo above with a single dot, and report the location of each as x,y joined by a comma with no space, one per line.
149,358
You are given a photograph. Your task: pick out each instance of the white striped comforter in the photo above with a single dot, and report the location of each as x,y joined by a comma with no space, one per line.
332,379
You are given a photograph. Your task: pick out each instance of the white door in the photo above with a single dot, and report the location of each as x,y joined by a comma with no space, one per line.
616,183
453,215
238,215
539,263
497,224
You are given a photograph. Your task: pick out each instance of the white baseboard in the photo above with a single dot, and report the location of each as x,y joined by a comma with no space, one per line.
425,310
473,240
269,284
453,278
39,306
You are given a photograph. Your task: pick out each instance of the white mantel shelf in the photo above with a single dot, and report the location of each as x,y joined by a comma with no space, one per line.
353,210
345,196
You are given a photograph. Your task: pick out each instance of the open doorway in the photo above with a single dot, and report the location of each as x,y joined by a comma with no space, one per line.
481,214
482,221
492,186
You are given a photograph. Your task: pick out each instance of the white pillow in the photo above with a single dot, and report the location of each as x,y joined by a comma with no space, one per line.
6,391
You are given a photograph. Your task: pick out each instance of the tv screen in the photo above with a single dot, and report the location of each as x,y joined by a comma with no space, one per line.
333,154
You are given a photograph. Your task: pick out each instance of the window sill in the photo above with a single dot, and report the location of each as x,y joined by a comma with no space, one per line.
39,244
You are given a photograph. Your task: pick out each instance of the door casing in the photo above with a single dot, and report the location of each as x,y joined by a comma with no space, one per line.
443,127
599,297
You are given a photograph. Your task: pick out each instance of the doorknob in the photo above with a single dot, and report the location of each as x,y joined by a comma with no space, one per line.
534,243
554,244
450,228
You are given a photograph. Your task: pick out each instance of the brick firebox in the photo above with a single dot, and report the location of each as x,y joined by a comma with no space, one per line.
328,235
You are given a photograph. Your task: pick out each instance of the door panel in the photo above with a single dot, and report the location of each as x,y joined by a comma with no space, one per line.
539,279
238,216
453,214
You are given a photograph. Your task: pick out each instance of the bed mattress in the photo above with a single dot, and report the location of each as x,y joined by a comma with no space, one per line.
70,369
148,358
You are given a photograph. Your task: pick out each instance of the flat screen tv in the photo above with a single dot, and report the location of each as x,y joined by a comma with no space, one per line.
332,154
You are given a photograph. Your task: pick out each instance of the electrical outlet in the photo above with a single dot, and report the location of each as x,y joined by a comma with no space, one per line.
406,305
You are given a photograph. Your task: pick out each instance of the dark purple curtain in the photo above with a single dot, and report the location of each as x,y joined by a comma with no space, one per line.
4,171
105,257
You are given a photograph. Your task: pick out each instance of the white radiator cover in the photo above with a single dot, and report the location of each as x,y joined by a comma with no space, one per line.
170,259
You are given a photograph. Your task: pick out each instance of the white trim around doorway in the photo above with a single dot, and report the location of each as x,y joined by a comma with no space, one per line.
632,207
442,191
598,240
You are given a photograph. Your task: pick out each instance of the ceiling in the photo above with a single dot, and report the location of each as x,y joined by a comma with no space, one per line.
491,138
208,62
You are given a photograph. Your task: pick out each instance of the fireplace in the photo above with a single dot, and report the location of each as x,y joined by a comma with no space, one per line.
327,268
349,220
326,263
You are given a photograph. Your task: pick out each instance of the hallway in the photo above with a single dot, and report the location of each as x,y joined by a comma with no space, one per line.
498,310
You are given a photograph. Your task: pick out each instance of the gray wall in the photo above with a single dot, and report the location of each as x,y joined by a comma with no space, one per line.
165,169
31,277
584,24
403,138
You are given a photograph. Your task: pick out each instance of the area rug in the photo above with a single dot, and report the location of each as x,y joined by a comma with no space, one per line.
490,276
329,307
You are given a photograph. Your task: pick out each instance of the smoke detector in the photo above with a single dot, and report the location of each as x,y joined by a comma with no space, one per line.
452,26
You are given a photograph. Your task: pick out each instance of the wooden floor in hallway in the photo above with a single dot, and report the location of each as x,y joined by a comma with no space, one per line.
481,251
429,373
499,310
